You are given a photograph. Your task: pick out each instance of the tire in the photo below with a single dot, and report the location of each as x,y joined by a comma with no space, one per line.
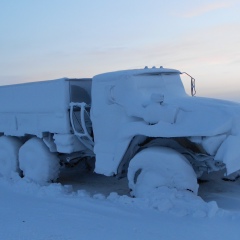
157,167
37,162
9,147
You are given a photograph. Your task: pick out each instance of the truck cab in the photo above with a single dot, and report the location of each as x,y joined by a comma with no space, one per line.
129,98
145,113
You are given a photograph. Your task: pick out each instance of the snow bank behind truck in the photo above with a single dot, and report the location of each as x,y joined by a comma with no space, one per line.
135,122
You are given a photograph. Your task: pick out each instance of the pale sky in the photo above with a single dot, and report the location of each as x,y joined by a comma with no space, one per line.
49,39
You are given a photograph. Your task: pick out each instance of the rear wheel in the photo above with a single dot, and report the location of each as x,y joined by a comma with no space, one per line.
9,147
157,167
37,162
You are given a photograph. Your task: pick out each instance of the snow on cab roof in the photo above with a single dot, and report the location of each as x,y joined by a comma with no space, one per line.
135,72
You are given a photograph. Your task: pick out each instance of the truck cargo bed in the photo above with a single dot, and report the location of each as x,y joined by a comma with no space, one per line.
38,107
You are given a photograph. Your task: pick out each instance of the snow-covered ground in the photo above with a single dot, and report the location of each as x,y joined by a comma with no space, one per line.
90,206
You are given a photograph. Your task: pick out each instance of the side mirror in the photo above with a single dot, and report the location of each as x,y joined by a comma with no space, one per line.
193,89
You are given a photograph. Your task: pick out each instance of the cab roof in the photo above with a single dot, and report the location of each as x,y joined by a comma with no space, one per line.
135,72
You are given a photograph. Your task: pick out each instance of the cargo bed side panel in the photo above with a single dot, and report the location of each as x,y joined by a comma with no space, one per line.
34,108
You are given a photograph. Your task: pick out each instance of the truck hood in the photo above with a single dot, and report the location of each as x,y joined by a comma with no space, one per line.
207,117
192,117
186,117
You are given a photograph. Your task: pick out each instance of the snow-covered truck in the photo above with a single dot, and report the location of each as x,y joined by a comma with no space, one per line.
135,123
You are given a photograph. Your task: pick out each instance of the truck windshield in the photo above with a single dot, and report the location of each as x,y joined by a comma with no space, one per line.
169,84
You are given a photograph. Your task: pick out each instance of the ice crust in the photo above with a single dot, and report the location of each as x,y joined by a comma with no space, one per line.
141,102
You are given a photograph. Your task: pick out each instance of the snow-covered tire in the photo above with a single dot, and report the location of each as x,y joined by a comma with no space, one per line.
9,147
37,162
160,166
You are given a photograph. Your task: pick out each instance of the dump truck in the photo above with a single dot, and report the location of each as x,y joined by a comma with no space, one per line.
140,124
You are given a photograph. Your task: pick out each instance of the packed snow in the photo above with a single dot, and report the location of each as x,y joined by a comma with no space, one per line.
98,207
173,171
37,162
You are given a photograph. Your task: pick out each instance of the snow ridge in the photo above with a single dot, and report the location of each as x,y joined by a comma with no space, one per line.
163,199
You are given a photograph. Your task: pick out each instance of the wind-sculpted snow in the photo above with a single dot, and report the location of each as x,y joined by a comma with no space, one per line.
172,201
163,199
27,186
57,212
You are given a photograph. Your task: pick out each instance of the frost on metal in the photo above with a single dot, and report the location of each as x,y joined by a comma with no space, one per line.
143,114
153,103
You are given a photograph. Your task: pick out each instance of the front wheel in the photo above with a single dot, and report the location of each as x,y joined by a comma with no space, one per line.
37,162
160,166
